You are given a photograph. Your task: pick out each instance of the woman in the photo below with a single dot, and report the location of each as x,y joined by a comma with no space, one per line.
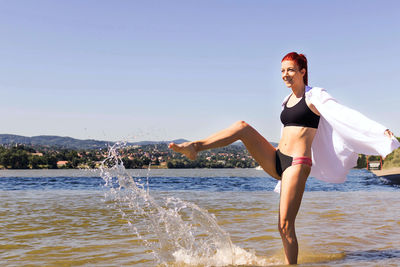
316,130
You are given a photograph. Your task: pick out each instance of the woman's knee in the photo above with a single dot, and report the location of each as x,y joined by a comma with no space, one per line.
241,125
285,227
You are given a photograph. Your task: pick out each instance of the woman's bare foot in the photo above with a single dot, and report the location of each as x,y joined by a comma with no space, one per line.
186,148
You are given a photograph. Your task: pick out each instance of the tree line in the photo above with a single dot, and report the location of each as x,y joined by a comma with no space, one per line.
28,157
156,155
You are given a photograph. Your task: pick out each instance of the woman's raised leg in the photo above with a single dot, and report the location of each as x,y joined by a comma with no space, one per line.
292,188
259,148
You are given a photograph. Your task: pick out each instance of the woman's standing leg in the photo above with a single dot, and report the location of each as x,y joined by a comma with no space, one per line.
292,188
260,149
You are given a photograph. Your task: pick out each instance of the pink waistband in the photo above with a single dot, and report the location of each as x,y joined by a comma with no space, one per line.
302,160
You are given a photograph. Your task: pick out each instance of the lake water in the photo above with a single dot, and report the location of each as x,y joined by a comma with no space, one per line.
69,218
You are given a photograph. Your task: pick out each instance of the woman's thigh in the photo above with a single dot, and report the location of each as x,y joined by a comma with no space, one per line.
260,149
292,188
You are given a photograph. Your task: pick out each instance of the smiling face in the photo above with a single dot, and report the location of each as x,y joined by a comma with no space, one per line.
291,75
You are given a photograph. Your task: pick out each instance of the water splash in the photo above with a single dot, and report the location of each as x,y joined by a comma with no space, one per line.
174,230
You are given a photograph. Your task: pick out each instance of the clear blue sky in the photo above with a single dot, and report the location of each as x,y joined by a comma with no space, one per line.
161,70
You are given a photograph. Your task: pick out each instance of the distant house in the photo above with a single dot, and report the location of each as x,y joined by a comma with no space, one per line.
61,163
37,154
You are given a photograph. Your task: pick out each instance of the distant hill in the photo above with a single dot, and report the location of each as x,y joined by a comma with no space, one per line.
68,142
72,143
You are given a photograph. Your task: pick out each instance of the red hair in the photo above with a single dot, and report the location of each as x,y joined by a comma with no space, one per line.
300,60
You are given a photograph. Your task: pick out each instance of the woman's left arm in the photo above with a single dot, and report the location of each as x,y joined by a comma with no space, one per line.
358,132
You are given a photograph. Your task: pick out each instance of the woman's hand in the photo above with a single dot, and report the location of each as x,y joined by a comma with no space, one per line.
388,133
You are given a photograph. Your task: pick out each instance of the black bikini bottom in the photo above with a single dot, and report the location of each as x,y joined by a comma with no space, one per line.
282,162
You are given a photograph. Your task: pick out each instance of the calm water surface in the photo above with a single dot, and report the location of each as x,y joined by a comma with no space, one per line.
61,218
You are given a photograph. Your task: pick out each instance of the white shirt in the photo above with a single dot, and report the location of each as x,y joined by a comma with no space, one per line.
342,134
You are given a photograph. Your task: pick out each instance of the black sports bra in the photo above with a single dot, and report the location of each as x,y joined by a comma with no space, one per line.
299,115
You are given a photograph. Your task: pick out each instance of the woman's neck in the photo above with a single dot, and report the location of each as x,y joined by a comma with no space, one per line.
298,91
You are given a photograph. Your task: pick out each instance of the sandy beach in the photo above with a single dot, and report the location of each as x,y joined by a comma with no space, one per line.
395,170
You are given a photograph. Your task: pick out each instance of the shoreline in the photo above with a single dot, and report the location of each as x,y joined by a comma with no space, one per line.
384,172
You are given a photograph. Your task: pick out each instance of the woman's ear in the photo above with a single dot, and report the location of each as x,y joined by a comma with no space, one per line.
303,71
